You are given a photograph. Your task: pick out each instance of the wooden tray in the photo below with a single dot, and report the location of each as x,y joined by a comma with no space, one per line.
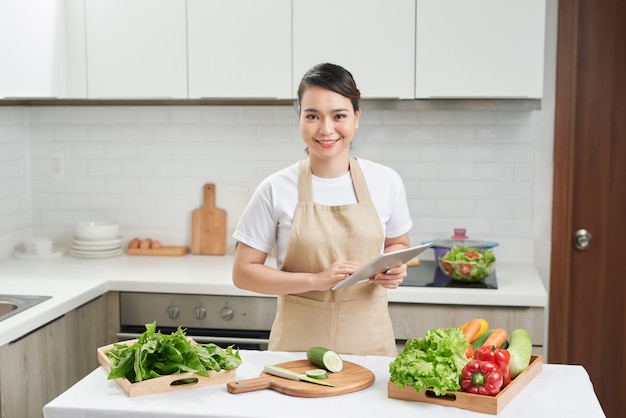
470,401
165,383
163,251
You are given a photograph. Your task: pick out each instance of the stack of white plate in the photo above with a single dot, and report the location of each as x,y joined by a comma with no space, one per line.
97,239
96,248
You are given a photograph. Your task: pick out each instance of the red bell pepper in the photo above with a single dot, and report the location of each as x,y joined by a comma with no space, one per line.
500,356
481,377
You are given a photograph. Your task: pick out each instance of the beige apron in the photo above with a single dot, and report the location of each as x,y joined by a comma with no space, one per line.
352,320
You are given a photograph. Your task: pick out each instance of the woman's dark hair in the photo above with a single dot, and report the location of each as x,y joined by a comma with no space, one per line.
331,77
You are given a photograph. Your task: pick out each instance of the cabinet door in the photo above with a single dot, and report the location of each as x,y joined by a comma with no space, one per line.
42,49
31,375
374,40
136,48
239,48
479,49
40,366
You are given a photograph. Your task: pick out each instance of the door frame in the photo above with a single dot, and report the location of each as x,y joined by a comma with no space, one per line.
565,112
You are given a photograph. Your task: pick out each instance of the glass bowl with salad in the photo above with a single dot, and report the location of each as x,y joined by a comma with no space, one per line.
467,264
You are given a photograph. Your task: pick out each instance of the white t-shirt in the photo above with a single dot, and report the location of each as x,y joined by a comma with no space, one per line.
266,221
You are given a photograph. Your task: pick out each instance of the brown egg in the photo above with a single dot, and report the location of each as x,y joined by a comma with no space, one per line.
145,244
156,244
134,243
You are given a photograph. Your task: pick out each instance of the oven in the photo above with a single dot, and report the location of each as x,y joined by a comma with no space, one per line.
241,321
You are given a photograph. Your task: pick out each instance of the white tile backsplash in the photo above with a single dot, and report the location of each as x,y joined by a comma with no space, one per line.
15,195
144,166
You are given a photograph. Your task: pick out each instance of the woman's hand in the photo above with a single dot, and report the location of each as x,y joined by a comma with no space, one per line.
334,274
251,273
392,278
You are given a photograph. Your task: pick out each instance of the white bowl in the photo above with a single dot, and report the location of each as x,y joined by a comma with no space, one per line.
97,230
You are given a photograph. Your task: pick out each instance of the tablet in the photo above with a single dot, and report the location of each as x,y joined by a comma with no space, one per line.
381,264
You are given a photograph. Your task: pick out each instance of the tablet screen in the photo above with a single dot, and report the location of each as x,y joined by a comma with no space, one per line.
381,264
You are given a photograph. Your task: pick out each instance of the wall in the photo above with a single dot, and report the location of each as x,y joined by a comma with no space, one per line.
15,198
145,166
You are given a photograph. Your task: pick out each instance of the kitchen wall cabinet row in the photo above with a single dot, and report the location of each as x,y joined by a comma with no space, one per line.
194,49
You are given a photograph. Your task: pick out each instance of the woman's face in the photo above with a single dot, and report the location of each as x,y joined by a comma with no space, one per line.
327,122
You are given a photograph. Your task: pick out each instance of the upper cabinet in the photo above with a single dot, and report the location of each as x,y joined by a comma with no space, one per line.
479,48
260,49
374,40
239,48
42,49
136,48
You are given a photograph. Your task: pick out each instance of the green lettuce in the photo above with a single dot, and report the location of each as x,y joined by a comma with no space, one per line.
459,254
155,355
434,361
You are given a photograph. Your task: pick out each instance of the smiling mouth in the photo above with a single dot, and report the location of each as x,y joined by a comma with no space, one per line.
327,141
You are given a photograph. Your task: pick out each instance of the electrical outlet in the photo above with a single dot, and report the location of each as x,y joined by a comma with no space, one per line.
57,166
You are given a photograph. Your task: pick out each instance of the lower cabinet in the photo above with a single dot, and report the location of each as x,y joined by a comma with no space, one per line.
412,320
43,364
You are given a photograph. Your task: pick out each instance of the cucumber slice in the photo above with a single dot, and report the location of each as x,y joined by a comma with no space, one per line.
317,373
325,358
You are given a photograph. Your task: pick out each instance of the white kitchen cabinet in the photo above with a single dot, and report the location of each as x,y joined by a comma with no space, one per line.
412,320
136,49
479,49
43,364
239,49
42,46
374,40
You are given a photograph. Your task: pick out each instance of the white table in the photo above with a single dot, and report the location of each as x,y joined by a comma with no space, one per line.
559,390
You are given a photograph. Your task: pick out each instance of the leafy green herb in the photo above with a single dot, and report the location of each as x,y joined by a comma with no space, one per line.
155,355
434,361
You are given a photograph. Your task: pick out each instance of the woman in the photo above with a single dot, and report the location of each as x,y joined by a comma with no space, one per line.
325,217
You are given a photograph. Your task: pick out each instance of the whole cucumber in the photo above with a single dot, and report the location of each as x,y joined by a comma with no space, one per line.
520,348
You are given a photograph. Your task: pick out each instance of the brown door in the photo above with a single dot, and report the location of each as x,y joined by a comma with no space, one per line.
588,285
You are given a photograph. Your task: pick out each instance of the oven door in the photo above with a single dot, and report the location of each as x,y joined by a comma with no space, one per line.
240,321
244,340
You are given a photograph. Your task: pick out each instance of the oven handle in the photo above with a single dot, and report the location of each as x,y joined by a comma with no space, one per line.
205,339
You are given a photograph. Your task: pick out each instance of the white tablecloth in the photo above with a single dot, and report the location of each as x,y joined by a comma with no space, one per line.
559,390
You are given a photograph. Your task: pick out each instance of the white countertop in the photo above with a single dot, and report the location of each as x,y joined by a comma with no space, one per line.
558,390
74,281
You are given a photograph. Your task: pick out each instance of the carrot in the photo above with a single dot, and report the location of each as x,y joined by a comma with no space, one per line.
471,329
497,338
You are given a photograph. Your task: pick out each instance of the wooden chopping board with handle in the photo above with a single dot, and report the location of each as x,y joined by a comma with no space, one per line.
208,226
352,378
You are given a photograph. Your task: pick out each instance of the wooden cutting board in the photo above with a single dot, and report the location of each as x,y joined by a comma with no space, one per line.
352,378
208,226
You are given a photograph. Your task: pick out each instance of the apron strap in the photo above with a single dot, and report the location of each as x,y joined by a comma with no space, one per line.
305,182
360,185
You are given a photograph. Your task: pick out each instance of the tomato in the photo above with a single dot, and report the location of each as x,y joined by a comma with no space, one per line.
449,267
465,268
472,255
